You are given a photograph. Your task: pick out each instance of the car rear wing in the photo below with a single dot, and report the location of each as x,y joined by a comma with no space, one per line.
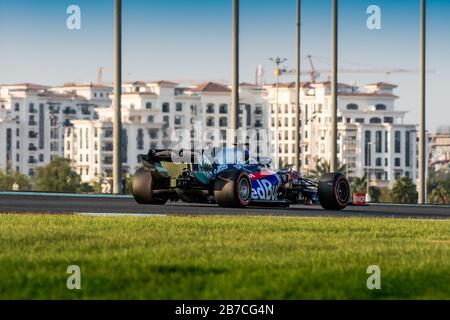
181,156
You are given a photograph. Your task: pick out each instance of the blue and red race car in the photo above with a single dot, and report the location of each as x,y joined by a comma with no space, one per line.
230,178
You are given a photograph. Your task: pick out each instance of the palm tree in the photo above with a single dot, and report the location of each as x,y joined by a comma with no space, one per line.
323,167
359,185
439,186
440,194
404,191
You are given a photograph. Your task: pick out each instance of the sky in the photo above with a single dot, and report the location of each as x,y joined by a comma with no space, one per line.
191,40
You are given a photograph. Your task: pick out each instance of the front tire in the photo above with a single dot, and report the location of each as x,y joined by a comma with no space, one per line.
334,191
233,189
142,188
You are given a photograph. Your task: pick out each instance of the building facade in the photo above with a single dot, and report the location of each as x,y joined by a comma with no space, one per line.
373,139
151,115
439,149
38,123
32,121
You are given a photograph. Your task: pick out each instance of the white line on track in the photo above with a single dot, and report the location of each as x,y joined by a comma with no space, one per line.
95,214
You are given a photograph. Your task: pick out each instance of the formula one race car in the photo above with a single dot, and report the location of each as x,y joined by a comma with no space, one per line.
230,178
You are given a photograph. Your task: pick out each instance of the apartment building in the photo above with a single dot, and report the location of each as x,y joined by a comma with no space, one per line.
32,121
373,139
151,114
38,123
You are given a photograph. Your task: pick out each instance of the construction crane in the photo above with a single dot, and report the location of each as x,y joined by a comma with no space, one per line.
314,74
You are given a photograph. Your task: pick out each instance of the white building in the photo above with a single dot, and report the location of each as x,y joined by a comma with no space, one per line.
150,111
32,121
38,123
439,148
373,137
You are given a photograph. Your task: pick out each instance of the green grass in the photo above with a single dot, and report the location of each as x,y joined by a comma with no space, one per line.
222,257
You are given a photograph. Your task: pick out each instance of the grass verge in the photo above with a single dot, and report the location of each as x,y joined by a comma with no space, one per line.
222,257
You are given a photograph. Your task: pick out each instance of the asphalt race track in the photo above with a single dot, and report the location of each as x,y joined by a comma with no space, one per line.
106,205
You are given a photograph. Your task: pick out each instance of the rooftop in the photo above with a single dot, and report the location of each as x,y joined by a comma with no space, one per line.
211,87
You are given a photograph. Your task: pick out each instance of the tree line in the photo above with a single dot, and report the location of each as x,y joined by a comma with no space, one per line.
404,189
57,176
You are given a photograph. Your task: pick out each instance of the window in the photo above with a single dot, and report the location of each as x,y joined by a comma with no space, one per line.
380,107
16,107
124,140
148,105
179,107
210,108
178,120
166,120
408,149
153,134
210,122
359,120
388,120
166,107
397,162
223,109
398,141
375,120
108,133
378,142
140,139
352,106
150,119
386,142
223,122
367,136
378,162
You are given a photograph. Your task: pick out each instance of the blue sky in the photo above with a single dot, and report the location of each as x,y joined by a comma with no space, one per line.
182,39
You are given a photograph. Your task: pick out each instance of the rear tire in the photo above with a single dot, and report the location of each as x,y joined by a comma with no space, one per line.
233,189
334,191
142,189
